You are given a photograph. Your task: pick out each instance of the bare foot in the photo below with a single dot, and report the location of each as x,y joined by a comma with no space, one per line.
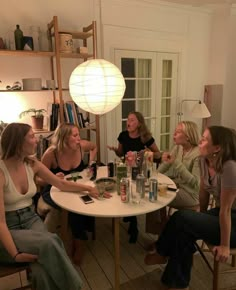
153,259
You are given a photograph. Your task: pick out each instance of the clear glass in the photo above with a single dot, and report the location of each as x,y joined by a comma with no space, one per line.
136,196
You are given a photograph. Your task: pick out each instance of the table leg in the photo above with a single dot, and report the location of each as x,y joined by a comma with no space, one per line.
64,228
117,252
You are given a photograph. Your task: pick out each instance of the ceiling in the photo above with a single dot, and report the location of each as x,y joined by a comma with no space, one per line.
202,2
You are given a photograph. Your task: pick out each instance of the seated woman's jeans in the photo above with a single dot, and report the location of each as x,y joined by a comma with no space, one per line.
53,269
177,242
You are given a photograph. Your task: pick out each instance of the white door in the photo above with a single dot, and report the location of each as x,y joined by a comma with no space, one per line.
151,88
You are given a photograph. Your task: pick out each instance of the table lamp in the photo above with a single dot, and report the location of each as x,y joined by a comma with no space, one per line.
97,86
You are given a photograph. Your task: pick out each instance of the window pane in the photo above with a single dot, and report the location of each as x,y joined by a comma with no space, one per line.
144,107
165,124
144,68
127,106
165,142
167,69
123,125
128,67
165,107
144,89
130,89
166,88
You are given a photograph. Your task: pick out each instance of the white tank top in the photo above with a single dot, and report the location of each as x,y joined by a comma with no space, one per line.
13,200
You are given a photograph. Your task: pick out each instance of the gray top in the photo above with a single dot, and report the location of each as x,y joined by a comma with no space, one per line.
184,171
215,184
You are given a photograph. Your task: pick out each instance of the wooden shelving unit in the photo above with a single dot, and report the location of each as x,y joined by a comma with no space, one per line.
55,56
88,33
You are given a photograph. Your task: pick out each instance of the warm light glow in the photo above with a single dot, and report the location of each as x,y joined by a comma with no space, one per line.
97,86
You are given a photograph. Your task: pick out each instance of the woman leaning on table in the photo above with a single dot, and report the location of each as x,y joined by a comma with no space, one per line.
64,156
23,237
216,226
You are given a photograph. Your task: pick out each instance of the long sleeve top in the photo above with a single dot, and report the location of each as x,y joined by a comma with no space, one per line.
184,171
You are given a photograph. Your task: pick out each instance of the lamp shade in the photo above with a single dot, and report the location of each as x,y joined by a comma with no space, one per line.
200,111
97,86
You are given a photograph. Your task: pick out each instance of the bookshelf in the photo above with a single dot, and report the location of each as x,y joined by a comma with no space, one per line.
88,33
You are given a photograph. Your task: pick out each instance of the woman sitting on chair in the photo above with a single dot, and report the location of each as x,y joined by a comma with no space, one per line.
64,156
182,165
216,226
23,236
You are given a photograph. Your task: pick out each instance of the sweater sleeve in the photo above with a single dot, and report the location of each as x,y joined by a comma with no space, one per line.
191,178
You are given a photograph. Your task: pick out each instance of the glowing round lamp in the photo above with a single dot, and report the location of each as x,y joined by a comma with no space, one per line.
97,86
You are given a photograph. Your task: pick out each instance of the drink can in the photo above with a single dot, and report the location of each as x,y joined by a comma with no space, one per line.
140,185
111,167
124,189
153,190
93,168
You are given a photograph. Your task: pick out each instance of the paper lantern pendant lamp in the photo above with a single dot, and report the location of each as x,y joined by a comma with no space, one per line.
97,86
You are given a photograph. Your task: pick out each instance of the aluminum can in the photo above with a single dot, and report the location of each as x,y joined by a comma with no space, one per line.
140,185
111,169
124,189
153,190
93,168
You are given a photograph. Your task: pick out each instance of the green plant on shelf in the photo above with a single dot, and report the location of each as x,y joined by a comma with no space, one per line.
37,113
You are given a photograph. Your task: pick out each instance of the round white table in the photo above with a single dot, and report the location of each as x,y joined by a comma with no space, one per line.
112,208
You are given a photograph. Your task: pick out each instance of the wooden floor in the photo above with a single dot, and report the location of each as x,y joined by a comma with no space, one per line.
97,268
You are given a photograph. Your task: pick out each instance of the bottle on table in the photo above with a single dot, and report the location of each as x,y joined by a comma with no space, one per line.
18,38
121,171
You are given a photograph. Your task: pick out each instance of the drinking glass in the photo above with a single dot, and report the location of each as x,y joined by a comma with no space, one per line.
136,196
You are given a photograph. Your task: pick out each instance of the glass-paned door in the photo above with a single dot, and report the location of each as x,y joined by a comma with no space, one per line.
167,91
151,88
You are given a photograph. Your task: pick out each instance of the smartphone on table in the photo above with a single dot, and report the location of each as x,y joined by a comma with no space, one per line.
86,199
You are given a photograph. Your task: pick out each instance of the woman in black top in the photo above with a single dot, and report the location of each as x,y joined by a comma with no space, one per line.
137,137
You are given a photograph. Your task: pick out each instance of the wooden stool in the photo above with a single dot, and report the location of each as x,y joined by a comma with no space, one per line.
6,270
215,268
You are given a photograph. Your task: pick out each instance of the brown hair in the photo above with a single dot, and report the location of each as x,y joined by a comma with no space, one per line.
226,139
12,139
61,134
143,130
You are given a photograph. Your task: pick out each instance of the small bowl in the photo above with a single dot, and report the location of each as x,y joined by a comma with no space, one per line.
109,183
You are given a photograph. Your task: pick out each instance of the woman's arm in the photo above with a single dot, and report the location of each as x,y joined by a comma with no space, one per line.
204,196
90,147
155,150
227,198
118,150
5,235
64,185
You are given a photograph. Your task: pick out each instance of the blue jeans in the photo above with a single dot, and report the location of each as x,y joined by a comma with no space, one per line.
53,269
178,238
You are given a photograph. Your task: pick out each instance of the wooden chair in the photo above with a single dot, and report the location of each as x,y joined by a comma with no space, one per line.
215,266
6,270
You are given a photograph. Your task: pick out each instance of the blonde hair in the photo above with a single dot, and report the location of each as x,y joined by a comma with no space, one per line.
190,129
61,134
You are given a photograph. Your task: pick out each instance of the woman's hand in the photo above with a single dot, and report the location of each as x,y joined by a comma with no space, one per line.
26,257
167,157
60,175
94,192
112,148
221,253
106,194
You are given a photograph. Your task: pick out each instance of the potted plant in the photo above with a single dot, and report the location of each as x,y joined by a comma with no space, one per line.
36,117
